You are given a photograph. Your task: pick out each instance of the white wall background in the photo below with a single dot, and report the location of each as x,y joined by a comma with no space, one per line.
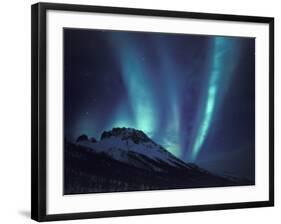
15,110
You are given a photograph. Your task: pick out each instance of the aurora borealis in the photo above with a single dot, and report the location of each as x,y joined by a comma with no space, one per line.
222,50
193,94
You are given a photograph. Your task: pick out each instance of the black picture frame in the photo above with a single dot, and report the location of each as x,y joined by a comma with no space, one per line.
39,122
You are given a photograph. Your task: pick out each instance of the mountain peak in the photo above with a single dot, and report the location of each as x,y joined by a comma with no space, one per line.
85,138
133,147
82,138
136,136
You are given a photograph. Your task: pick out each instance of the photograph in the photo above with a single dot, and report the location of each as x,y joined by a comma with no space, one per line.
157,111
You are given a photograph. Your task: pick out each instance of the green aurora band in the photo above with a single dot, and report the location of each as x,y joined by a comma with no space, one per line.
224,51
142,107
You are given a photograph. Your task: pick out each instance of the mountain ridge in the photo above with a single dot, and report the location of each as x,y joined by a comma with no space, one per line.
126,159
118,140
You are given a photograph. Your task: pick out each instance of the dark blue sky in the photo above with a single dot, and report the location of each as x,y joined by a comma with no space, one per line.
193,94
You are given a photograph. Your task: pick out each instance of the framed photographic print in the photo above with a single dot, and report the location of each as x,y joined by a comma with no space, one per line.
139,111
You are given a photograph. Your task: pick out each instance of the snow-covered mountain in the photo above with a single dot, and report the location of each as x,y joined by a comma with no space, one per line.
132,146
125,159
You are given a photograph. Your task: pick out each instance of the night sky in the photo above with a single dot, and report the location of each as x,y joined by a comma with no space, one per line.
192,94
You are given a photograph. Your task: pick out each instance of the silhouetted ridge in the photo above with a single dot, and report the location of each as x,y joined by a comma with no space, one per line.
136,136
92,139
85,138
82,138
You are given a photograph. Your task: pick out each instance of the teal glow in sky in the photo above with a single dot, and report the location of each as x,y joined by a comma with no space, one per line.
221,71
144,102
141,98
